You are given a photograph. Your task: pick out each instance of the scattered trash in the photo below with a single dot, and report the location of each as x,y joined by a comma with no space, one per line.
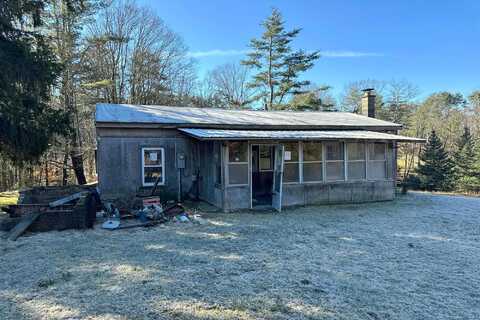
196,218
151,201
111,224
183,218
153,212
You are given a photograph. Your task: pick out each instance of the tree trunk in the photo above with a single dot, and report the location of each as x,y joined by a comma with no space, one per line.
65,170
77,164
46,172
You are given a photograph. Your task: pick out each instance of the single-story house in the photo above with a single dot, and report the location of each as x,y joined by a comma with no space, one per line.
246,159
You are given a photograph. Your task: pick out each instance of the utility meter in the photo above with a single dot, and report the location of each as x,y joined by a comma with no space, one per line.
181,160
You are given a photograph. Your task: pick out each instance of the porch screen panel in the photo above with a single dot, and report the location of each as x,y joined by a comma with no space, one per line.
335,157
377,161
312,162
238,163
390,160
291,169
356,159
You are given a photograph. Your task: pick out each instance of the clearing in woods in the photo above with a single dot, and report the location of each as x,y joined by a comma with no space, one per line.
414,258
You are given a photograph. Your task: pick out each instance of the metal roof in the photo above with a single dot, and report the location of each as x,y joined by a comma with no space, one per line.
214,134
161,116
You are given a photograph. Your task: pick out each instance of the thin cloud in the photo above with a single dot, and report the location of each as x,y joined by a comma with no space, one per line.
326,53
216,53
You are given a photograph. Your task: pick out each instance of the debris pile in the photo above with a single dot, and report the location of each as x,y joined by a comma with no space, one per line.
77,207
152,213
51,208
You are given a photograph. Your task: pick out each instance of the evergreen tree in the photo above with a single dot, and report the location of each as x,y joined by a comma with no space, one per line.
467,174
435,168
29,70
277,65
316,99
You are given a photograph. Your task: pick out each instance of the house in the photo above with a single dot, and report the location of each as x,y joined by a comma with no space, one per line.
246,159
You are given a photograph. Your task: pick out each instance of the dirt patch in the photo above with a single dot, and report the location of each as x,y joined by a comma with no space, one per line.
413,258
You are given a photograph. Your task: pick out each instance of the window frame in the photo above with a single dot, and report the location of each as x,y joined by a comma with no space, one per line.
322,162
161,165
343,145
377,161
364,160
238,163
298,162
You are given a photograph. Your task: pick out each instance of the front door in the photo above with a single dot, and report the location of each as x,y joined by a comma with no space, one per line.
277,178
262,166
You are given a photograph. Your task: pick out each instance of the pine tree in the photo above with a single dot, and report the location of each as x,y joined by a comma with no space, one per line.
29,70
277,65
315,99
435,169
467,175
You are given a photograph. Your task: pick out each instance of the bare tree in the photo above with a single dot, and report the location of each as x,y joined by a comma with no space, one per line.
399,101
227,85
132,56
351,97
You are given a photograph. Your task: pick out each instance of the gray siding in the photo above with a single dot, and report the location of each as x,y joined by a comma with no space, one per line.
120,164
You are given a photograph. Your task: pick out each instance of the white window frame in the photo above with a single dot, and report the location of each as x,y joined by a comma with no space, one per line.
314,161
162,165
298,162
384,161
347,162
238,163
332,161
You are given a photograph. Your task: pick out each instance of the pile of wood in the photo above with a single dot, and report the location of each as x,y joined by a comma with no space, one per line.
73,210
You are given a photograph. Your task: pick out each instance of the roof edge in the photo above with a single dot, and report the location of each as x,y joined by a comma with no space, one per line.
147,125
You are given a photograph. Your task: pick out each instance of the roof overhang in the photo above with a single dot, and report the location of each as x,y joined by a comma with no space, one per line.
223,134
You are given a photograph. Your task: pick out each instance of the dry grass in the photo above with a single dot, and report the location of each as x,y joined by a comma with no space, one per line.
9,197
414,258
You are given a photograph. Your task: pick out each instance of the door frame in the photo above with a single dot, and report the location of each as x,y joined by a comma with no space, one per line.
279,148
250,166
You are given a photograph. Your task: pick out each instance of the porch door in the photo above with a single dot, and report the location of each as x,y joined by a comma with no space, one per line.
277,178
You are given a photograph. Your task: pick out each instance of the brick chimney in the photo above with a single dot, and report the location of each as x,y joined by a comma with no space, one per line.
368,103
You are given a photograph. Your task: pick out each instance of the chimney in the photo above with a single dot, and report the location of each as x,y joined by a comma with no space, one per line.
368,103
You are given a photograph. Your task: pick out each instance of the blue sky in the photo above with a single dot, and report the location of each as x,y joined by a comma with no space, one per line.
434,44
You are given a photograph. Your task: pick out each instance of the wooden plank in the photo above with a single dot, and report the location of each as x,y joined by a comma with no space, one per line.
23,225
65,200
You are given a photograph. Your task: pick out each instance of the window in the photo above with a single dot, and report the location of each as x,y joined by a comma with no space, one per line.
335,167
377,161
266,158
356,161
291,167
312,162
238,163
153,166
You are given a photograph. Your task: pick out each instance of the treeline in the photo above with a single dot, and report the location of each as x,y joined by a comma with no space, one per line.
60,57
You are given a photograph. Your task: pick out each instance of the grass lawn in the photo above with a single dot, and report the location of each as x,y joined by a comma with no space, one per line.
9,197
417,257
